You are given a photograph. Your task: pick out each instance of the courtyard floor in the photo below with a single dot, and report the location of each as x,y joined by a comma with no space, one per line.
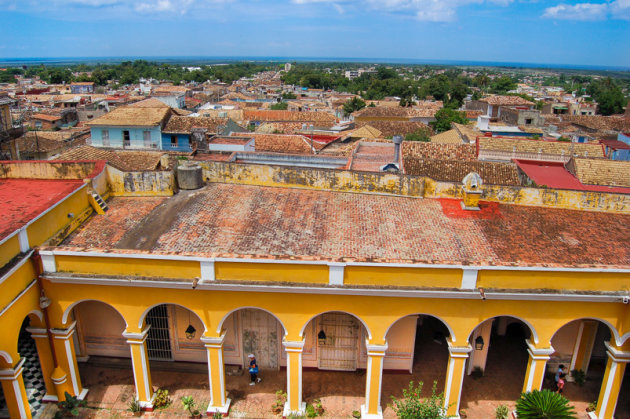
111,386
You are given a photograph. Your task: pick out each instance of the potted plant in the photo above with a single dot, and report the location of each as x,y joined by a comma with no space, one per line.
162,399
544,404
70,407
190,405
135,407
592,406
356,414
502,412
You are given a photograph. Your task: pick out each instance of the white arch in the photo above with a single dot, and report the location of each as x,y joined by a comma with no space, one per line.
252,307
6,357
527,323
66,313
448,326
38,313
367,329
144,314
619,340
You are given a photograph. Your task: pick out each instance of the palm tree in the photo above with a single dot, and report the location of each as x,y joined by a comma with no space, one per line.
544,404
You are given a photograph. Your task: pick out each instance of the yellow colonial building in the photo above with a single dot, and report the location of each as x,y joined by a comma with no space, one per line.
306,275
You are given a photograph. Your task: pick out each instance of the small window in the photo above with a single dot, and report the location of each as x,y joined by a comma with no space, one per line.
528,121
147,138
105,137
174,141
126,139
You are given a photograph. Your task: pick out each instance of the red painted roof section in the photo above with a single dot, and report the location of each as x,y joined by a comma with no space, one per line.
22,200
452,208
555,175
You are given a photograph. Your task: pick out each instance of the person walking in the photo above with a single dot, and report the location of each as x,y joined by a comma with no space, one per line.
561,383
253,370
558,374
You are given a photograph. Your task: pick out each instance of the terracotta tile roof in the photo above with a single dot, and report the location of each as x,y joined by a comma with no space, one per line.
149,103
462,152
556,148
49,141
506,101
171,89
226,220
288,116
598,122
280,127
385,112
46,117
601,171
447,137
283,143
183,124
366,131
132,116
391,128
467,132
126,161
371,156
456,170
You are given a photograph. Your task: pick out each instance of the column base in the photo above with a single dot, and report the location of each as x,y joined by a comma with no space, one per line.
365,415
287,410
50,398
592,415
83,393
219,409
148,406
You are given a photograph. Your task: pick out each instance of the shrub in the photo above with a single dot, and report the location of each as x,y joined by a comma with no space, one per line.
135,406
579,376
502,412
278,405
162,399
412,406
70,406
543,404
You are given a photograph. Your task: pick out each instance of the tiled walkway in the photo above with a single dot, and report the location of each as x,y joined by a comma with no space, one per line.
111,389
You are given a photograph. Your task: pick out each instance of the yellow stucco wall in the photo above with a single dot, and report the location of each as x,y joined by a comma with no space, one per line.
160,268
272,272
595,281
402,277
147,183
9,249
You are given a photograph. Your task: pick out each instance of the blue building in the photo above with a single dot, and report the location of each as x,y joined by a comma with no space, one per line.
82,87
618,149
177,134
137,126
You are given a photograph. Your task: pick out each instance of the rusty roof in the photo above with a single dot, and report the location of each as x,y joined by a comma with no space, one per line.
462,152
391,128
124,160
455,170
227,220
288,116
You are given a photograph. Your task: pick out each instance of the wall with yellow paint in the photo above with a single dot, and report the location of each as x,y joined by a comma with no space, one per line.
110,266
147,183
14,284
25,169
556,280
402,277
271,272
9,249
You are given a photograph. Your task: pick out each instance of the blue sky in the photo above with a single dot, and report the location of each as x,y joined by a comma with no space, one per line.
534,31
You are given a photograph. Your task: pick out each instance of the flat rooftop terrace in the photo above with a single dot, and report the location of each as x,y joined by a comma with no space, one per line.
23,200
227,220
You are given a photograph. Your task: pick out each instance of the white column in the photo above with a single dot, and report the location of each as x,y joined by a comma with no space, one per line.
294,402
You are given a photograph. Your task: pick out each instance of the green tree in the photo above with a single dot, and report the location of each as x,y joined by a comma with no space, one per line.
282,106
412,406
476,95
445,116
353,105
419,135
544,404
458,92
288,95
503,84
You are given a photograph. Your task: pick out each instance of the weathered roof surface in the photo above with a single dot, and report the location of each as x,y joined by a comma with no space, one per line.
126,161
447,137
226,220
371,156
133,116
455,170
602,172
366,131
280,127
499,100
385,112
46,117
22,200
279,116
46,141
149,103
598,122
544,147
468,132
391,128
281,143
184,124
462,152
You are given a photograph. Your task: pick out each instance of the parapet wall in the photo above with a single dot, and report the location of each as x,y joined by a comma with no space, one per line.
50,169
310,178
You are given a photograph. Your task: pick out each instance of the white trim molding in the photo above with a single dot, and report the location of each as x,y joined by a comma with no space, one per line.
296,347
336,273
137,338
23,240
48,261
207,270
469,278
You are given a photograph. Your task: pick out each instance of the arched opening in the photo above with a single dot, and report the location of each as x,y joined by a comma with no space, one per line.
580,348
255,331
334,361
417,345
496,368
32,372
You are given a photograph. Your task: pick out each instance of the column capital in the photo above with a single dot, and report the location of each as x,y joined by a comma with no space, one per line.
458,351
213,341
37,333
542,354
375,350
137,338
615,354
11,374
293,346
64,333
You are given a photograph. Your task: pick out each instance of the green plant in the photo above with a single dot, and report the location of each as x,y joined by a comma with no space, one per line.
502,412
310,411
543,404
162,399
412,406
317,403
463,413
592,406
579,376
217,415
356,414
278,405
70,407
189,404
135,406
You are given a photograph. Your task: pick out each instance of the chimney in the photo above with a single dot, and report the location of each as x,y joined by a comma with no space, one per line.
472,191
397,139
483,122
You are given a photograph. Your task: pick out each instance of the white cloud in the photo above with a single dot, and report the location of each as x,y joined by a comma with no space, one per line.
338,8
426,10
618,9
